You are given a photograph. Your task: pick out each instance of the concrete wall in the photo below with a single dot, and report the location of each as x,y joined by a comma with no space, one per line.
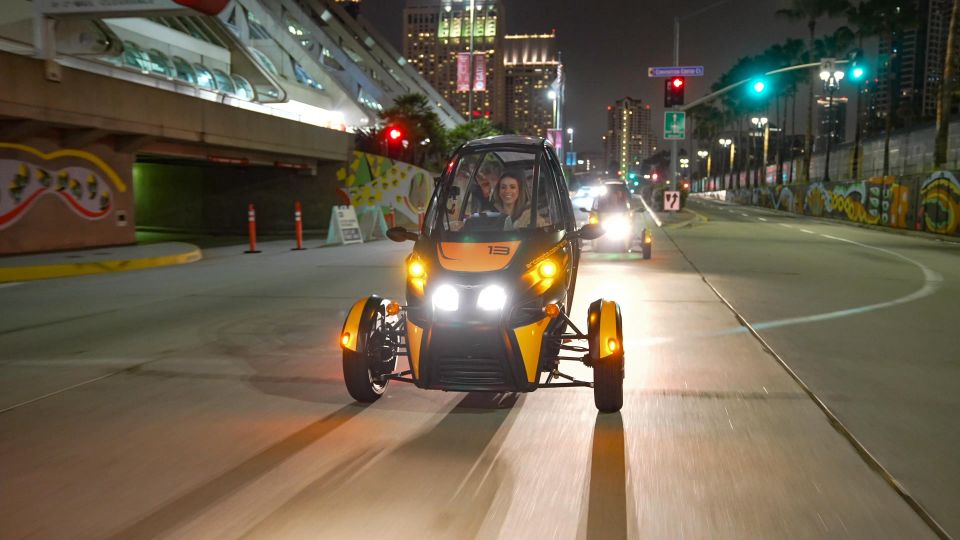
214,198
53,198
928,203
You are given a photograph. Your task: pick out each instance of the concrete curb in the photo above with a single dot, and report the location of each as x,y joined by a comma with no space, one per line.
698,217
50,271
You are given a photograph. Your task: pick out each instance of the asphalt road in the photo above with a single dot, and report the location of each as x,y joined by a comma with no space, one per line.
206,401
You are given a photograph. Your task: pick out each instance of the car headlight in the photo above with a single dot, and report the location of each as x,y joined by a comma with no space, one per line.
446,298
492,298
616,227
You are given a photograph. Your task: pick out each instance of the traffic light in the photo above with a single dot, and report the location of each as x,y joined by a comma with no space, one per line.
394,133
673,92
758,87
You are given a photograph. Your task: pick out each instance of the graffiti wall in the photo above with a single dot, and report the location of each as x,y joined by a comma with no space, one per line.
924,203
62,198
375,181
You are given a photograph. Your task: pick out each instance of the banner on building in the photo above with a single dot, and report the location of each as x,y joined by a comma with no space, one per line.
463,72
479,72
555,136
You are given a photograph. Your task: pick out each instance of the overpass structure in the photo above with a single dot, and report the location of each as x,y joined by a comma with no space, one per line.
107,102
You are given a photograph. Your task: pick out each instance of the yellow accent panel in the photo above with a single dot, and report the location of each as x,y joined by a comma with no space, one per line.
476,256
352,324
608,327
69,152
529,338
414,337
29,273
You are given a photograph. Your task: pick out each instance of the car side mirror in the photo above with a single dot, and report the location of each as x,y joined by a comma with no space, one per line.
590,231
400,234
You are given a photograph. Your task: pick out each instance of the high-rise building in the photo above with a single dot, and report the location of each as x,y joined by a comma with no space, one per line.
831,121
629,138
917,68
530,67
437,33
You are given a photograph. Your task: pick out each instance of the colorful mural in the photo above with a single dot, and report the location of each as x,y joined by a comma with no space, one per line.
940,203
376,181
85,189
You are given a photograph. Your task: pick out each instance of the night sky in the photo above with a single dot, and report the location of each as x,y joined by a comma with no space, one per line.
607,46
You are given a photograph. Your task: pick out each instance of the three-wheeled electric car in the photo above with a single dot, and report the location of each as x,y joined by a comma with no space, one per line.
614,210
489,287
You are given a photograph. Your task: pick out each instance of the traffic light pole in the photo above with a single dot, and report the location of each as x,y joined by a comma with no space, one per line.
676,62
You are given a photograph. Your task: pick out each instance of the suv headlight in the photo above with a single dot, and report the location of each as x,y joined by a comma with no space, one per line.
492,298
446,298
617,226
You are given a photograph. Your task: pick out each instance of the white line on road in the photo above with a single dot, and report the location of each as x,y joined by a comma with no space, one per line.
806,231
744,215
651,213
13,284
787,225
762,219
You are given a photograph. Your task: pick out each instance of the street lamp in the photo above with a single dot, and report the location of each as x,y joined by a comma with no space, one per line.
761,124
702,154
725,143
831,83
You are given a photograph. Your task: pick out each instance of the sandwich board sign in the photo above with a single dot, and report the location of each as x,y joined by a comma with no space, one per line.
671,201
344,227
372,224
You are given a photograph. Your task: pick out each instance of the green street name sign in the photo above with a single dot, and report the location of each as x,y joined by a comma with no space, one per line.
674,125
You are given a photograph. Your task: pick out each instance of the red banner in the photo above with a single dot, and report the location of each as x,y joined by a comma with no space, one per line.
480,72
463,72
207,7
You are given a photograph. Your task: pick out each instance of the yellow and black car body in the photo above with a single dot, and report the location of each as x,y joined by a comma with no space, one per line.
487,303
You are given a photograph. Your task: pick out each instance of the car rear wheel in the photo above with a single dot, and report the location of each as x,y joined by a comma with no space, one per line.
608,383
647,251
608,371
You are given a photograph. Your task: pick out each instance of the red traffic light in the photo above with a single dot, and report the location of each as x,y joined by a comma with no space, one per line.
394,134
677,82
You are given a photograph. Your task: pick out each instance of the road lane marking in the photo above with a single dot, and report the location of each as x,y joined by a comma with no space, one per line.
787,225
13,284
651,213
743,214
762,219
808,232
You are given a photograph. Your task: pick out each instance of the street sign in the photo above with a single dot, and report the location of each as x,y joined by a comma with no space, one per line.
675,71
674,125
671,201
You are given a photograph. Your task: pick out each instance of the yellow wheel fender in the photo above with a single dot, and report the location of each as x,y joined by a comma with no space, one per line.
357,323
604,329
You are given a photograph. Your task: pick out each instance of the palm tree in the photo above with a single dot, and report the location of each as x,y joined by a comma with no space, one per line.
413,114
945,94
811,11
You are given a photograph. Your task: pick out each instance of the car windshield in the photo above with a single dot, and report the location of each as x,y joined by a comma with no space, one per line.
616,199
499,191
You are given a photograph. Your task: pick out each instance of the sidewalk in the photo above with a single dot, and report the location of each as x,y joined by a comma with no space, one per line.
96,261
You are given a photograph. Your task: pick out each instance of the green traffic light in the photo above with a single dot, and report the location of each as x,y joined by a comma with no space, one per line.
759,86
857,73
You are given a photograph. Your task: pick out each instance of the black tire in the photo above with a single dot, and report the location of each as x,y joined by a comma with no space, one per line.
362,382
647,251
359,380
608,384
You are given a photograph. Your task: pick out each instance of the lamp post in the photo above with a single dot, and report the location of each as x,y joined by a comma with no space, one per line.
831,83
702,154
552,96
761,124
725,143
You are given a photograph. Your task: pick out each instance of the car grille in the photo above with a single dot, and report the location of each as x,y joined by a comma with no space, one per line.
458,373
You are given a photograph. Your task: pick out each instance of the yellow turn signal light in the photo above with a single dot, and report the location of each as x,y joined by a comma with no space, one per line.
594,219
345,339
647,237
552,310
547,269
416,269
612,345
393,308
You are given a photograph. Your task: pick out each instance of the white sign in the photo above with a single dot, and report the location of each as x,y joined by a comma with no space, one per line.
372,224
671,201
344,226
